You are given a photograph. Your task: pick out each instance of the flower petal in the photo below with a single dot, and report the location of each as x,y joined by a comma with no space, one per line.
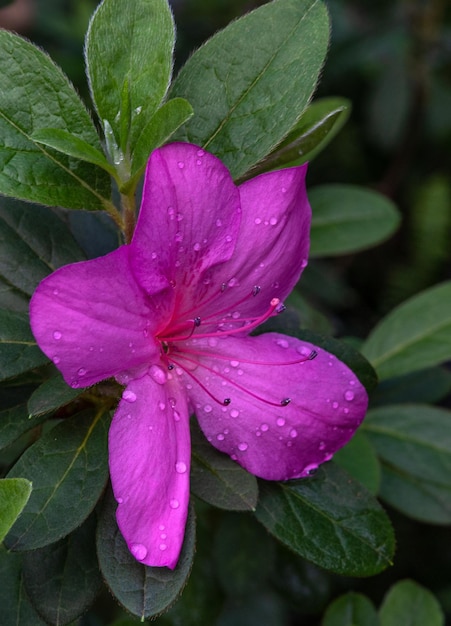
91,319
272,246
284,413
149,450
188,221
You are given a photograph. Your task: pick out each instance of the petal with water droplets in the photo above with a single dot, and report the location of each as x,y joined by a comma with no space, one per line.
289,410
149,450
91,319
273,242
188,221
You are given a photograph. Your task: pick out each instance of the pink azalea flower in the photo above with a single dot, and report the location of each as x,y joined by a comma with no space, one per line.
170,316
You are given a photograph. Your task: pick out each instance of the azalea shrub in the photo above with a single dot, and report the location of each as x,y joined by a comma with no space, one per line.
179,424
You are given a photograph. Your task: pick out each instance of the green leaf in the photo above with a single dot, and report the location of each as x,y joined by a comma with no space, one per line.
34,241
14,494
217,479
250,83
18,350
69,468
14,420
243,554
347,219
352,609
65,142
11,298
158,130
148,590
407,602
51,395
427,386
359,459
63,579
330,520
318,125
36,94
415,335
129,63
16,607
414,445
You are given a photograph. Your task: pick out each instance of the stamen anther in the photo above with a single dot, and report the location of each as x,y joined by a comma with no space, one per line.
197,322
256,290
227,401
285,401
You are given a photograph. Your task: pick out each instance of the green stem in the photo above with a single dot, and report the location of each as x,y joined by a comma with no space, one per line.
128,202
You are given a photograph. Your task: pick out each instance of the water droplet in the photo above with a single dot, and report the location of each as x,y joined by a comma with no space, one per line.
243,446
120,500
55,292
139,551
161,527
212,342
174,504
234,363
310,469
346,411
82,371
273,221
293,433
283,343
157,374
196,247
176,416
208,408
181,164
162,406
56,360
220,437
178,237
257,220
162,547
322,445
228,238
235,315
138,110
283,190
335,405
264,427
218,223
234,413
199,162
180,467
349,396
240,372
280,421
352,383
200,153
129,396
163,536
57,335
153,255
304,263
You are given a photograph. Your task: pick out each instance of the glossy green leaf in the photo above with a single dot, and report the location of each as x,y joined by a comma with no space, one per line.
51,395
318,125
243,554
407,602
427,386
69,468
129,64
11,298
36,94
169,117
250,83
14,494
16,608
18,350
218,480
34,241
359,459
352,609
14,420
415,335
144,591
414,445
65,142
329,519
63,579
347,219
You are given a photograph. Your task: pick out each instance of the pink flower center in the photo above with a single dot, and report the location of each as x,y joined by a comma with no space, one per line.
178,349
